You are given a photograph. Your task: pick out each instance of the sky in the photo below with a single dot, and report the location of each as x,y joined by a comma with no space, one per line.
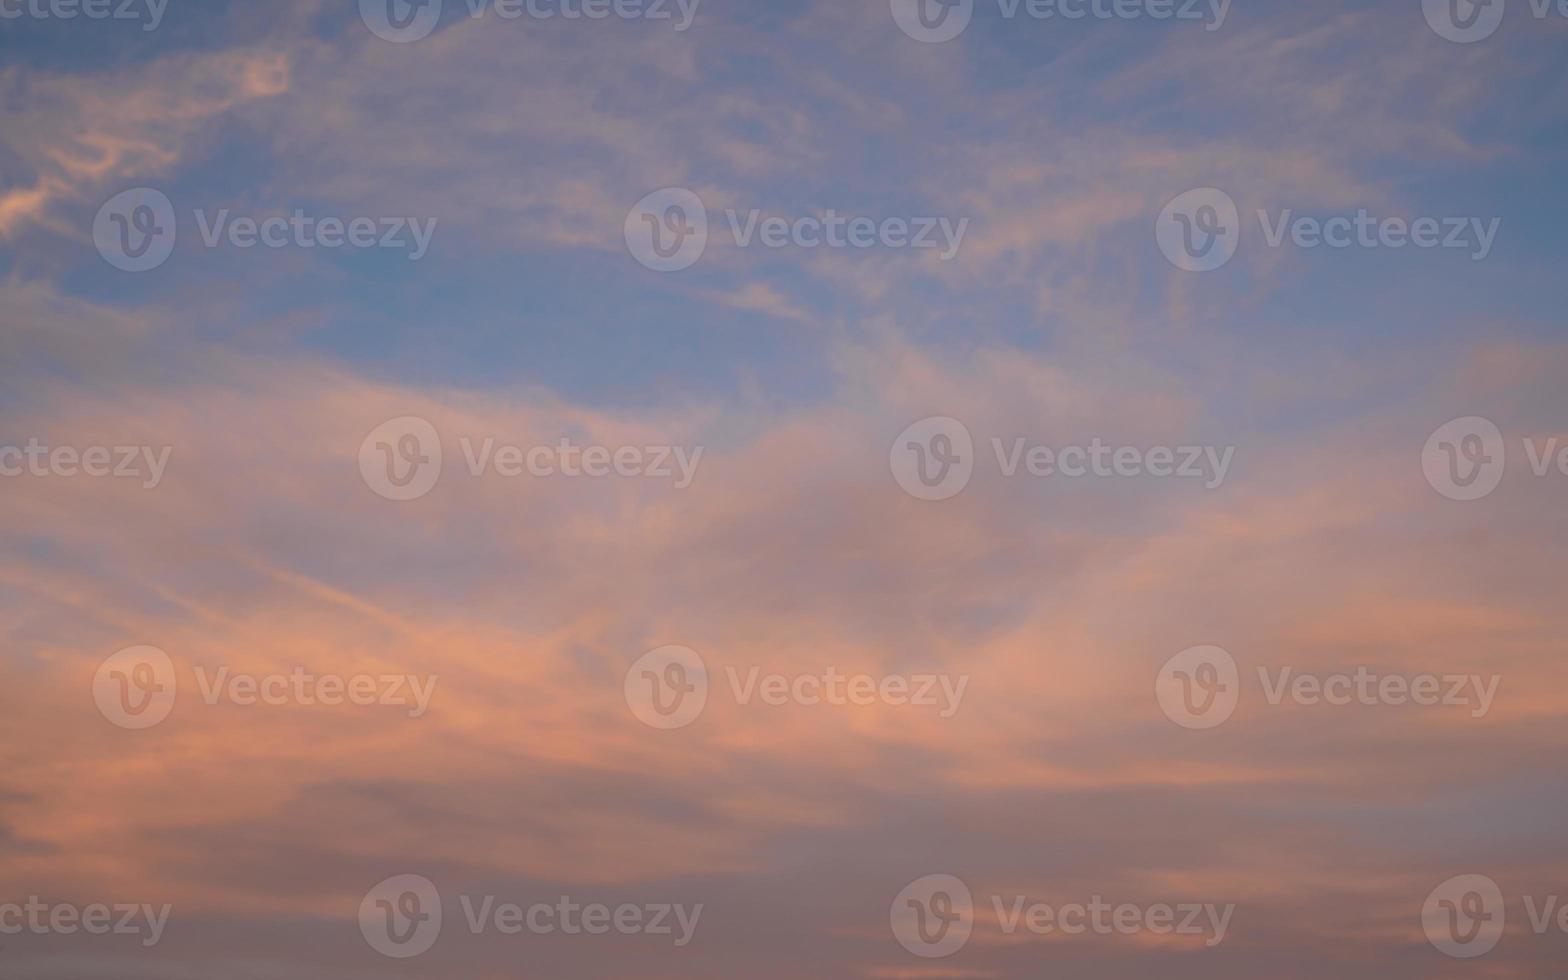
891,489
